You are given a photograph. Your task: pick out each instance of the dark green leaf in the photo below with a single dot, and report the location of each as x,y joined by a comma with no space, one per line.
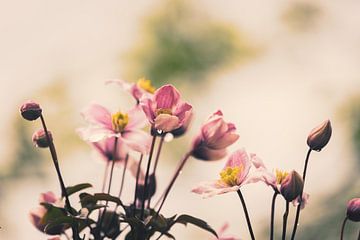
74,189
185,219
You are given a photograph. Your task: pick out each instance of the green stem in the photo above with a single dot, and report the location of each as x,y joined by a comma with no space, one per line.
272,215
147,178
246,214
285,217
343,228
297,216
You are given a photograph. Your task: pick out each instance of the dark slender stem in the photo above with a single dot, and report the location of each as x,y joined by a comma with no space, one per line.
246,214
297,216
175,176
105,176
58,172
272,215
147,178
156,163
343,228
285,217
359,235
123,175
137,181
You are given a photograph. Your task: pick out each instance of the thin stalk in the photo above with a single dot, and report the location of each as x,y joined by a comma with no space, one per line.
297,216
343,228
175,176
137,181
273,215
123,175
359,235
156,163
285,217
58,172
147,178
105,176
246,214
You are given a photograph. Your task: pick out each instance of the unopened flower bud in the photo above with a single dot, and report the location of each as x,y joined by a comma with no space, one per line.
353,210
39,138
320,136
30,110
292,186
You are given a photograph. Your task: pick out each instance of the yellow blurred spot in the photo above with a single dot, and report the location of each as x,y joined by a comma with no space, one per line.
119,121
280,176
230,175
145,84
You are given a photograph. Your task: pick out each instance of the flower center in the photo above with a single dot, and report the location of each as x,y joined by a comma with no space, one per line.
145,84
119,121
280,176
163,111
230,175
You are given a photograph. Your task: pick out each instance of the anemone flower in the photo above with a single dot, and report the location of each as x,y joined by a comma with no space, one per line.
125,126
235,174
165,110
214,137
142,87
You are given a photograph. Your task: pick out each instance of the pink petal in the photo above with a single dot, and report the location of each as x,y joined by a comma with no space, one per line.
48,197
208,154
137,118
95,134
148,107
137,140
182,111
166,122
226,140
166,97
97,114
237,159
212,188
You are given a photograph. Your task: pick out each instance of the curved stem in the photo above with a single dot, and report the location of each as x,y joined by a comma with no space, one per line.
342,228
123,175
156,162
285,217
147,178
297,216
272,215
137,182
175,176
246,214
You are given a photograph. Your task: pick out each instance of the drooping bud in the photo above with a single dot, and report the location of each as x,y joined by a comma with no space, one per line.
292,186
353,210
39,138
30,110
319,136
150,191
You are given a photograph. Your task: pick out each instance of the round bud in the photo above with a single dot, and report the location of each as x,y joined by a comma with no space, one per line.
353,210
39,138
292,186
30,110
320,136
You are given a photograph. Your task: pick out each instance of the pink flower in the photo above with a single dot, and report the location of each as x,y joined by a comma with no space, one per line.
234,175
37,215
215,136
304,201
139,89
105,148
222,236
125,126
165,111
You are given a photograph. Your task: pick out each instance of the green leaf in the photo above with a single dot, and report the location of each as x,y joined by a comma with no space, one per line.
59,222
74,189
185,219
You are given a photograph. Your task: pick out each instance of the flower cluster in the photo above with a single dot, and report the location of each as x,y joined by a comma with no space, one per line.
133,140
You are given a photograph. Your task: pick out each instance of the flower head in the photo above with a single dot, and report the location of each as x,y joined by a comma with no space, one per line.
165,110
353,210
215,136
292,186
320,136
142,87
234,175
40,140
126,126
30,110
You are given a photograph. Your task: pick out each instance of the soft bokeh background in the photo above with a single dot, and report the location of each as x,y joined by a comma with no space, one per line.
275,68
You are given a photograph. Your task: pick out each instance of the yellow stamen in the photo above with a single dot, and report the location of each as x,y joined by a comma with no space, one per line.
163,111
280,176
230,175
119,121
145,84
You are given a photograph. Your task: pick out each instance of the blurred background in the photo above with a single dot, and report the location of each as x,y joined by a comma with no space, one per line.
276,69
